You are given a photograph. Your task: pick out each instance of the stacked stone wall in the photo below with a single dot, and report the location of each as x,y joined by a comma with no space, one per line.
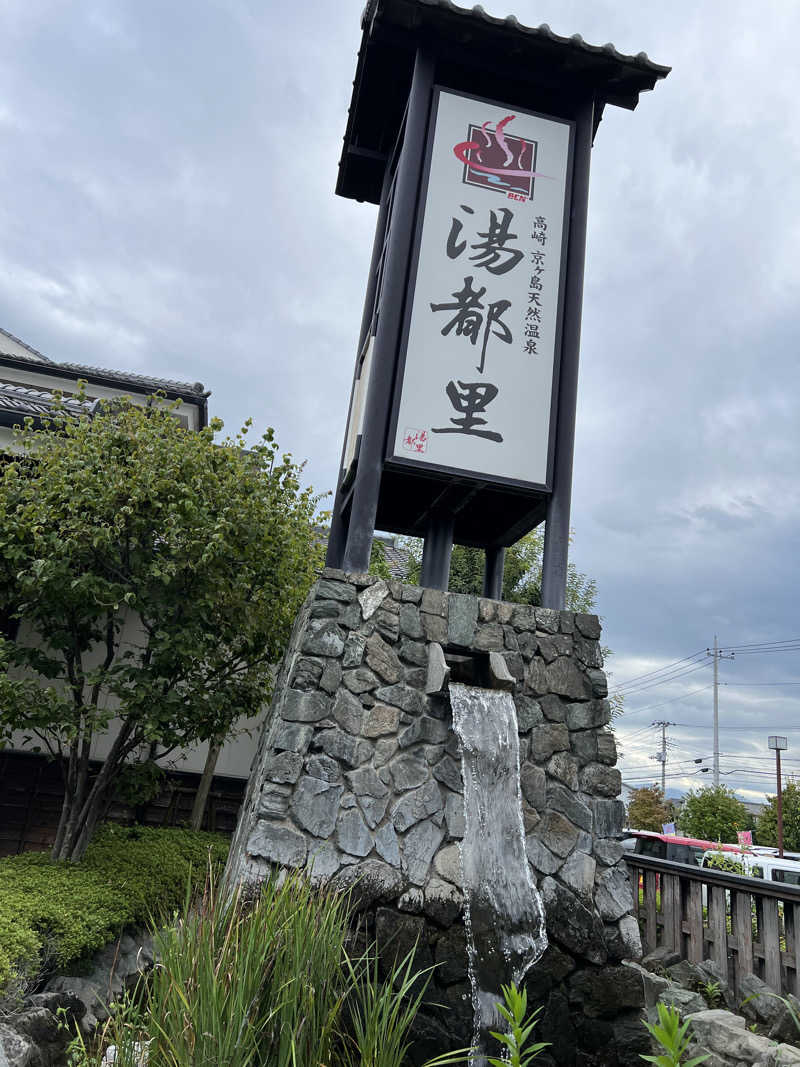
358,779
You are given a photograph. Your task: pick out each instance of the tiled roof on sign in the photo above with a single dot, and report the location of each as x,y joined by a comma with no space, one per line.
512,23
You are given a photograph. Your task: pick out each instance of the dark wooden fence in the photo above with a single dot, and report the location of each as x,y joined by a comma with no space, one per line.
746,925
31,791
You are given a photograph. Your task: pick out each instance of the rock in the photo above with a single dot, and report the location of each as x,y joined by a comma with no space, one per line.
306,673
352,834
373,809
384,750
273,802
564,768
372,597
533,782
387,621
577,874
360,680
323,638
442,902
387,844
380,721
426,729
277,844
566,679
572,924
410,625
628,942
438,677
87,992
332,590
435,628
348,712
598,682
414,652
608,852
434,602
408,772
16,1050
561,799
62,1004
354,649
588,715
552,647
323,767
601,780
331,676
419,804
315,804
292,738
557,833
548,738
529,712
283,767
606,748
784,1027
418,847
684,1000
553,708
607,816
499,672
547,620
305,706
365,782
401,696
398,934
603,993
451,956
448,864
613,894
722,1033
323,862
411,901
462,618
368,883
588,625
584,746
660,958
535,675
540,857
383,660
448,772
343,747
489,638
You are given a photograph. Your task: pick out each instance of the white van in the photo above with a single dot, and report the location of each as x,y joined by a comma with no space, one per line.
762,864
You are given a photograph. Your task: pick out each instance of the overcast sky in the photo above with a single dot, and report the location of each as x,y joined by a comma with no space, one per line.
167,170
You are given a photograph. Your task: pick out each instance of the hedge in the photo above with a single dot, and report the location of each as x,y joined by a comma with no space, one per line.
53,914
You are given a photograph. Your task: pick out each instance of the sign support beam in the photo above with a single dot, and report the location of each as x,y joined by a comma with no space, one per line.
556,536
401,230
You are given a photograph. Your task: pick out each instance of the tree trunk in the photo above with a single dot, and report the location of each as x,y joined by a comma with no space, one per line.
204,788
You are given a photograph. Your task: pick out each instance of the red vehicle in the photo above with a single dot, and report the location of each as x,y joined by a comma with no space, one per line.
673,847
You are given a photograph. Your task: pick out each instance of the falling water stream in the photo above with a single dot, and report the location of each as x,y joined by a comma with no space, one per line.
503,912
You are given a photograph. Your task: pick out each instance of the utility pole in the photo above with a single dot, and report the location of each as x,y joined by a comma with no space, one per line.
778,744
661,757
717,657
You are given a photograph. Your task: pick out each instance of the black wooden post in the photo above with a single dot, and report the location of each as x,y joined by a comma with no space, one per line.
437,551
493,573
337,538
556,535
401,230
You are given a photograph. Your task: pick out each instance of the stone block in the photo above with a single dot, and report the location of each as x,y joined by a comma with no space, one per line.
348,712
566,679
352,834
564,768
553,708
557,833
408,772
603,993
489,638
401,696
283,767
577,873
584,746
547,739
368,883
380,721
571,924
354,648
606,748
315,804
384,750
417,848
435,627
331,677
588,626
308,706
424,729
343,747
382,659
447,864
360,680
462,619
598,682
434,601
608,852
608,817
323,638
414,652
722,1033
372,597
331,590
373,809
564,800
448,772
600,780
419,804
277,844
540,857
365,782
533,782
454,816
442,901
536,677
613,894
523,617
323,767
387,844
499,672
410,625
529,712
307,673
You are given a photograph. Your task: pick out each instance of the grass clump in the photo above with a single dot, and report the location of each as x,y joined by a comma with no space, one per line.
264,983
59,913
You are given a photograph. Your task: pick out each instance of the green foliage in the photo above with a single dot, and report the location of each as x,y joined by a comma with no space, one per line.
66,911
266,984
139,783
647,809
522,574
518,1051
711,991
672,1036
767,825
378,564
202,551
715,814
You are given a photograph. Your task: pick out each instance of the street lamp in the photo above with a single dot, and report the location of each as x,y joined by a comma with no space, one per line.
779,744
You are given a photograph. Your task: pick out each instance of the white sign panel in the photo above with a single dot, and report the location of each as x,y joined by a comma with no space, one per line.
477,381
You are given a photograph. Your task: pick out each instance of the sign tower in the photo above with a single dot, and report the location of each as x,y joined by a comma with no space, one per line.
473,135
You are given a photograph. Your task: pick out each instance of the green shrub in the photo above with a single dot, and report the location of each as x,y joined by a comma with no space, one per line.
62,912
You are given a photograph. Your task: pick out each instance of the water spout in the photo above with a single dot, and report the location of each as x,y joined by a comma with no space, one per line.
503,912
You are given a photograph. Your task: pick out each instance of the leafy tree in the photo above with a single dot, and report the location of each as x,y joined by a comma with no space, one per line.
128,520
767,824
522,575
647,809
715,814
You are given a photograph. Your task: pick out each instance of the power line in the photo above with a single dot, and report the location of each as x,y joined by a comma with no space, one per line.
664,679
671,700
649,674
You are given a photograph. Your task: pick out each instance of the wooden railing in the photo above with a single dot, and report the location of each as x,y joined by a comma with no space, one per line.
746,925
